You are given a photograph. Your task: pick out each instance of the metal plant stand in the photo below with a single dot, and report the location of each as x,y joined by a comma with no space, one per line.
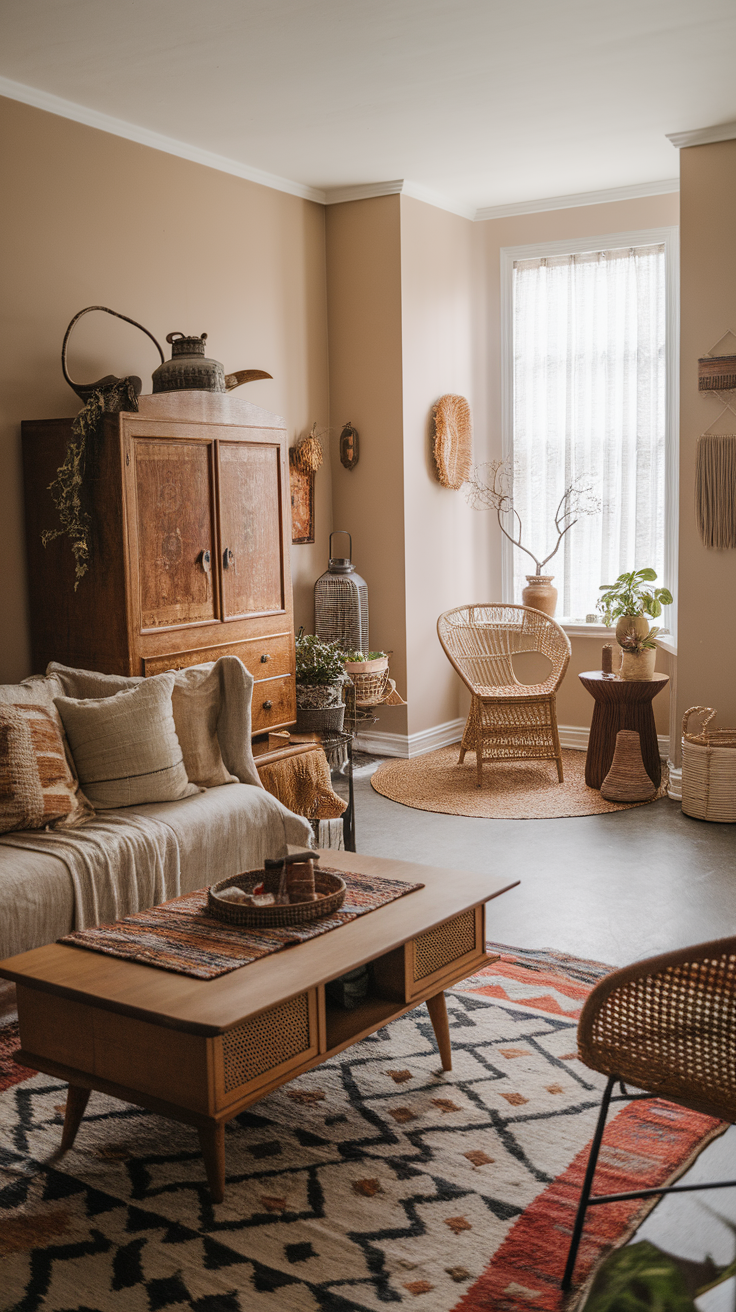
333,743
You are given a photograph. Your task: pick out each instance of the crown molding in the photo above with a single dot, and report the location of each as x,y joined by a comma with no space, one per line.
633,192
363,191
703,136
93,118
399,186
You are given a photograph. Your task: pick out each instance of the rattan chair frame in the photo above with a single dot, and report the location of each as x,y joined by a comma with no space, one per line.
508,720
667,1025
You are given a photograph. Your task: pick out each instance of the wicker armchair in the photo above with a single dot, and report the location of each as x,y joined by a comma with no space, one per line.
508,720
667,1025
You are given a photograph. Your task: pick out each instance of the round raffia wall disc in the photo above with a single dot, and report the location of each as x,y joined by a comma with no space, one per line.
453,440
512,790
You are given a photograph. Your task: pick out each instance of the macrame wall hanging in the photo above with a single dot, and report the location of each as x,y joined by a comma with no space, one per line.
715,459
453,440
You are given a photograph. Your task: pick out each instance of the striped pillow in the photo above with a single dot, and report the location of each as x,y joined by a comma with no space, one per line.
125,747
37,787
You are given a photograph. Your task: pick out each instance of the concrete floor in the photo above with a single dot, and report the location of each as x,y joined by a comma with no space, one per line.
612,887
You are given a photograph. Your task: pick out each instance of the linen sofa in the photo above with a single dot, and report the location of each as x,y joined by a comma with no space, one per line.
126,859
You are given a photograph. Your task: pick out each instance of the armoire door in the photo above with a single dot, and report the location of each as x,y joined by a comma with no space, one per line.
251,541
173,487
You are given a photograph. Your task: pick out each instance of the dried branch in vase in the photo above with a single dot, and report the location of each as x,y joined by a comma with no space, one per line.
490,487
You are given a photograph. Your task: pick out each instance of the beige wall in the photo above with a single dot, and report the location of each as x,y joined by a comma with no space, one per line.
706,673
364,307
90,219
574,706
448,560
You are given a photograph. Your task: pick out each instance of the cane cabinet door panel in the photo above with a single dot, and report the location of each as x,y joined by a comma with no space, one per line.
250,492
175,549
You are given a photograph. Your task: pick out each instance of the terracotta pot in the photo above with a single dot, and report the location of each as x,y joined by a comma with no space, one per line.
540,593
638,664
638,624
367,667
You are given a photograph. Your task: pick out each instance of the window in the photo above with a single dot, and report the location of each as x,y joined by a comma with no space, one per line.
590,394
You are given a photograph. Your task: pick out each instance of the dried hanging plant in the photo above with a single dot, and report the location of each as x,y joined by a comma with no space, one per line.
308,455
66,488
490,488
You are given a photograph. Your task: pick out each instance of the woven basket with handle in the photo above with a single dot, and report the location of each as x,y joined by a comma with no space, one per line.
708,769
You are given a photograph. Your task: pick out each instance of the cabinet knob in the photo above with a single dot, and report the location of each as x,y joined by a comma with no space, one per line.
228,558
205,560
267,706
265,657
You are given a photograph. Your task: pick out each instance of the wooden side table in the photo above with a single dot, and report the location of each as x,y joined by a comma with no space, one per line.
621,704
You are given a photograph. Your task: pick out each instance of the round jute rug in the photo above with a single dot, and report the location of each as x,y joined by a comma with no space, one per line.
513,790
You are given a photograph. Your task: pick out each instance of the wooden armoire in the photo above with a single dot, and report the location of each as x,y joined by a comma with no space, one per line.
190,540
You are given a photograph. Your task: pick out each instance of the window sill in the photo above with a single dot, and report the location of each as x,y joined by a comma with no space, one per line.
579,629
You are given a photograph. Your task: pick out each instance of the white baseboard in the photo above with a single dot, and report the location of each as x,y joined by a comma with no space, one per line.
406,746
411,744
674,786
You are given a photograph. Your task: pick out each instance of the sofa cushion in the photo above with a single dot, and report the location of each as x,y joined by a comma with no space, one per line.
125,747
37,787
196,702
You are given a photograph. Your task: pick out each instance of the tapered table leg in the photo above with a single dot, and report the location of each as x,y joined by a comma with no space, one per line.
438,1015
212,1143
76,1104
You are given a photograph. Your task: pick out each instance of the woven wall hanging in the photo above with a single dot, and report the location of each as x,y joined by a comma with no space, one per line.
453,440
715,489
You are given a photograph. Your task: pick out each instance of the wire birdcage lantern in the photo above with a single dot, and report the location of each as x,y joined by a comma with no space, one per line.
341,603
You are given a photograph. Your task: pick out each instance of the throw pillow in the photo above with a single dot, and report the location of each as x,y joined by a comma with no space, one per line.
125,747
196,702
37,787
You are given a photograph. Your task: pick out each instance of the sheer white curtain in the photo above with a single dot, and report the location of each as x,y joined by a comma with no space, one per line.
589,400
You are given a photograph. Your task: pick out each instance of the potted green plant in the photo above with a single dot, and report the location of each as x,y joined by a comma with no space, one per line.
639,653
368,673
358,662
320,675
630,599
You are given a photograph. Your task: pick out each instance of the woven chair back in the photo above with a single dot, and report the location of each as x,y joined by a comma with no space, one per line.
481,642
668,1025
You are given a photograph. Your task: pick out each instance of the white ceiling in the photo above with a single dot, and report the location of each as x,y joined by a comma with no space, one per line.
480,102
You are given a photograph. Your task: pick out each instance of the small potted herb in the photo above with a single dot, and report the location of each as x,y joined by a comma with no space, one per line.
368,672
320,675
358,662
639,654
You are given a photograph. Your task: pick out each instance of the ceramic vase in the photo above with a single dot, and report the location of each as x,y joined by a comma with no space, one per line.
540,593
638,664
638,624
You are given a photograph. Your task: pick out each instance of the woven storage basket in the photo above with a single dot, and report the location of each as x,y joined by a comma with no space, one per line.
326,719
370,680
708,770
331,888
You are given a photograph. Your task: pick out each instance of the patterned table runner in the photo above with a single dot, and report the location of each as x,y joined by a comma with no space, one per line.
181,936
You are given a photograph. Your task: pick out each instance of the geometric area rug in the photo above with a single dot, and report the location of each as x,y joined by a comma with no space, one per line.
374,1181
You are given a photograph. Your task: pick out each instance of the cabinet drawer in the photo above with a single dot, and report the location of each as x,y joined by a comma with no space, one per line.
274,702
268,1046
278,650
267,657
445,950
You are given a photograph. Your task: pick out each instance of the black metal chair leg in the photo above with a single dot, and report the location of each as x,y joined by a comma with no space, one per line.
587,1184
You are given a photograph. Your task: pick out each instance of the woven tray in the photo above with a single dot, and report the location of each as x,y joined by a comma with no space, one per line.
331,888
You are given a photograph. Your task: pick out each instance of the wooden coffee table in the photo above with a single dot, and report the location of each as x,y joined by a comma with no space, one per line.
200,1051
